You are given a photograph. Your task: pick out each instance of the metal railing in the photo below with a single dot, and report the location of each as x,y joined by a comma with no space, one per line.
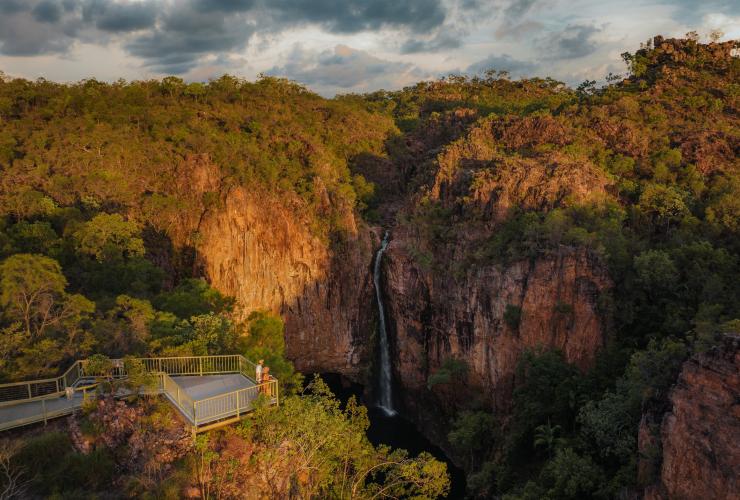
178,396
14,392
198,412
235,403
195,365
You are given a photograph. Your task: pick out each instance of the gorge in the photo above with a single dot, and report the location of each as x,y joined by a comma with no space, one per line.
536,284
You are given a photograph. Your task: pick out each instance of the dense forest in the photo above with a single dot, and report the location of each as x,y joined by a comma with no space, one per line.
99,232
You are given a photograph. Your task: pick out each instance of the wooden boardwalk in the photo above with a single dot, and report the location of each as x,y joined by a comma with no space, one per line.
208,391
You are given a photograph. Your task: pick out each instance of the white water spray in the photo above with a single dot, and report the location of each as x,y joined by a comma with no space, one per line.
385,389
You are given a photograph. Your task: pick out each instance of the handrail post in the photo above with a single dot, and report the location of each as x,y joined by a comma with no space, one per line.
200,366
237,404
28,386
178,396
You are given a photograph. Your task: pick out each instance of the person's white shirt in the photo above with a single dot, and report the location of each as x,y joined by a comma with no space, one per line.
258,373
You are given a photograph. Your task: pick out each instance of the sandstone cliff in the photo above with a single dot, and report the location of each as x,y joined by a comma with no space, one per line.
447,304
701,434
266,251
435,317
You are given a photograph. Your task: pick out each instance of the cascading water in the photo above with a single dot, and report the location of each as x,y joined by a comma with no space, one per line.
385,389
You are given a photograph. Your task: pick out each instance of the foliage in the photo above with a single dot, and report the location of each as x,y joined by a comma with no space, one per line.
472,433
109,237
193,297
452,370
330,456
266,340
512,316
56,469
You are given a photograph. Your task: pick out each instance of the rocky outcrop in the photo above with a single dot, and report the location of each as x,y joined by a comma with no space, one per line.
701,434
435,317
265,251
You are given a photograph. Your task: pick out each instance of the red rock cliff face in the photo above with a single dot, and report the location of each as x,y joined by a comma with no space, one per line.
701,434
435,317
260,249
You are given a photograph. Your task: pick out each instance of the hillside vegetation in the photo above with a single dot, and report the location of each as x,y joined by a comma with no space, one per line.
644,175
103,187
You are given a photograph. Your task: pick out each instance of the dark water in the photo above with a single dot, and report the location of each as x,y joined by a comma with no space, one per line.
397,432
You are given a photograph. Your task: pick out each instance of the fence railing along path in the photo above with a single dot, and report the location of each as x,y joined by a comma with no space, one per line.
38,400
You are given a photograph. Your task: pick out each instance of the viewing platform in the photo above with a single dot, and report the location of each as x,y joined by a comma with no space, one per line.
208,391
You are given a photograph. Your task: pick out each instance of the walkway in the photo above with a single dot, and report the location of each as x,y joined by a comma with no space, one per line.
208,391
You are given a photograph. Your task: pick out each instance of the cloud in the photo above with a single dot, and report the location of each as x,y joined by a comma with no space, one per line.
176,36
574,41
442,41
12,6
224,5
345,69
519,30
120,17
516,9
33,28
47,12
185,35
352,16
502,62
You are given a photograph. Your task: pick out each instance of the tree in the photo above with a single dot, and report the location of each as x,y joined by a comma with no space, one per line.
32,291
211,334
318,449
193,297
452,369
266,340
571,476
13,482
472,433
127,328
109,237
546,436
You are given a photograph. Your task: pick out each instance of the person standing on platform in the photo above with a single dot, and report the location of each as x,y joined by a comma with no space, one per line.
265,378
258,371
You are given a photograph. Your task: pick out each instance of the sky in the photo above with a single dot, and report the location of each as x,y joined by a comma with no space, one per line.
340,46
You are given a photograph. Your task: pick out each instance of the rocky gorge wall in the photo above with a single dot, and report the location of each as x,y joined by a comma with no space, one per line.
435,317
265,251
700,435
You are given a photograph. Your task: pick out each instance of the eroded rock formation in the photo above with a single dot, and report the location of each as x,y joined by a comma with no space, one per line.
267,253
435,317
701,434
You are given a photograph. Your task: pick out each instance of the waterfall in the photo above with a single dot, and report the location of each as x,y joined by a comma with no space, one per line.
385,389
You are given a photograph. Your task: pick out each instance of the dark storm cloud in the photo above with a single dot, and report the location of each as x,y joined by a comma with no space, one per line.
33,28
47,11
12,6
117,17
571,43
351,16
502,62
184,35
224,5
176,36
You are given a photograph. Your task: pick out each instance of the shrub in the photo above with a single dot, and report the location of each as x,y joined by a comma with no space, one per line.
513,316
